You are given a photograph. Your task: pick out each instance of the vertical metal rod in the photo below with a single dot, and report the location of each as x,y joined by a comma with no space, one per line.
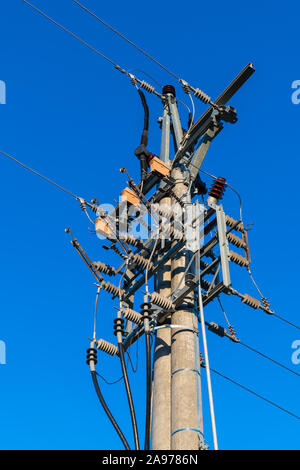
165,134
175,120
205,350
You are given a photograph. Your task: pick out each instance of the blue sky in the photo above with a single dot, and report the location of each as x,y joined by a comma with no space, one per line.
74,118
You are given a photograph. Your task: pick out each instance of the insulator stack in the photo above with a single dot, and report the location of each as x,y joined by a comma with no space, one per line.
215,328
218,188
140,261
147,86
146,314
202,96
205,284
236,241
132,315
112,289
131,240
118,252
238,259
91,356
161,301
251,301
107,347
104,268
231,222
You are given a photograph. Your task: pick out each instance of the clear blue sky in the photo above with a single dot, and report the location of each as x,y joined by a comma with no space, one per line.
71,116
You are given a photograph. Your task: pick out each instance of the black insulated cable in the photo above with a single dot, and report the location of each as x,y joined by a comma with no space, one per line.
92,361
144,139
129,396
107,411
141,152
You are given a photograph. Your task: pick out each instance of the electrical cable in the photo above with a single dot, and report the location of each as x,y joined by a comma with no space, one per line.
143,84
148,358
286,321
40,175
226,184
107,411
134,369
70,32
144,138
124,37
107,382
254,393
269,358
148,266
129,396
95,313
255,350
225,316
124,369
149,76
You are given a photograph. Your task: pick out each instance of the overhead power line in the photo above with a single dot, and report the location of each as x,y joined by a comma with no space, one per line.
126,39
269,358
72,34
255,393
39,174
286,321
238,341
133,78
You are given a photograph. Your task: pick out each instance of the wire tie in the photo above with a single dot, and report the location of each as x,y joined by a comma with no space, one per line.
175,326
187,429
193,370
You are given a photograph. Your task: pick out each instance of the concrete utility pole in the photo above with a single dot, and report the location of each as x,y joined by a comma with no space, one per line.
161,423
161,403
177,410
185,371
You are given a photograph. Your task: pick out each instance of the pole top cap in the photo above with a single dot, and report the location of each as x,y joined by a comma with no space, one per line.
169,89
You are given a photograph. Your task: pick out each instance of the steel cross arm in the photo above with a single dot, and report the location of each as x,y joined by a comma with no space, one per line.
192,282
137,284
202,124
213,327
199,154
214,292
168,255
226,95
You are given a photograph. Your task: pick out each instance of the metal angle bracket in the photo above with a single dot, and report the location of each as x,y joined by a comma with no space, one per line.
223,243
